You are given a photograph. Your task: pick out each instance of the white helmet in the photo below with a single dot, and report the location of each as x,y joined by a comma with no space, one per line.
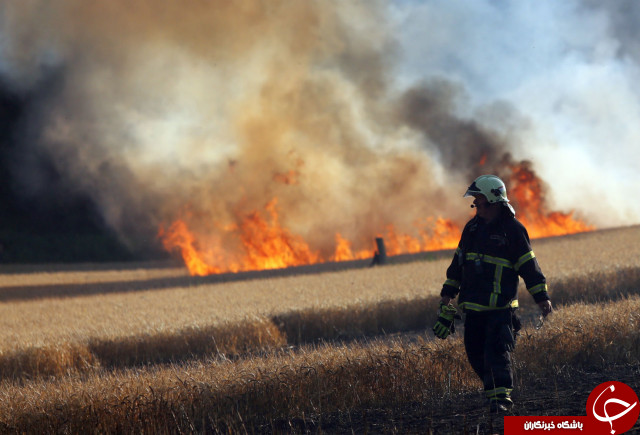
492,187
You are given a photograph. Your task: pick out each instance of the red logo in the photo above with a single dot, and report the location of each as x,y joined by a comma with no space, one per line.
613,408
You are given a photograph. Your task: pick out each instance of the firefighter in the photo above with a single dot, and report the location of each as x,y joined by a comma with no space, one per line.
494,250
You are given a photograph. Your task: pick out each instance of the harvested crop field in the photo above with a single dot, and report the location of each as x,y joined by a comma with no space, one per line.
333,347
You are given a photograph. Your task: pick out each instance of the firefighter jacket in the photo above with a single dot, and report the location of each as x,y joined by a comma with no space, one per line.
488,262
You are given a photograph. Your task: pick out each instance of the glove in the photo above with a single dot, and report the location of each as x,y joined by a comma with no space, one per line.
445,324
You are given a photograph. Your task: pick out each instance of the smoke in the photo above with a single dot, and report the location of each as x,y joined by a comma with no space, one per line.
569,68
160,111
340,110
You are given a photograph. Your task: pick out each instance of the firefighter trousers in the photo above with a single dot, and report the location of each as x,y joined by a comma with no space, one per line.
489,339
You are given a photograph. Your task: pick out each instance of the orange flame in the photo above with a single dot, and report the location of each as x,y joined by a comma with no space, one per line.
269,246
527,194
265,244
483,160
262,243
343,251
178,236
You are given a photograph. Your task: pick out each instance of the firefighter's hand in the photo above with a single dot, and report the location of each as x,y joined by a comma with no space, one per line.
545,307
445,324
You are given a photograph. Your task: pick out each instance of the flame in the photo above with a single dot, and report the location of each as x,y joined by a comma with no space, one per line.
265,244
434,234
178,236
483,160
259,241
343,251
527,193
445,234
269,246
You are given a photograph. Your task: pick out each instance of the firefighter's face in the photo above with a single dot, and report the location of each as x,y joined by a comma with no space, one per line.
484,209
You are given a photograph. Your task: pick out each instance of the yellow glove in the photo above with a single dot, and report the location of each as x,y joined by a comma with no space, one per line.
446,321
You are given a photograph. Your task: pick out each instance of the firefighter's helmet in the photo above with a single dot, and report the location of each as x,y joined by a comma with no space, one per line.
490,186
493,188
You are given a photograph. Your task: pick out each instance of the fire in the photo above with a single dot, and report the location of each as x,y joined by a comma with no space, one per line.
268,245
483,160
265,244
344,252
434,234
258,241
178,236
526,192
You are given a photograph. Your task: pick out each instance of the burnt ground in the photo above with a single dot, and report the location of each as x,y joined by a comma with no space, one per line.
564,395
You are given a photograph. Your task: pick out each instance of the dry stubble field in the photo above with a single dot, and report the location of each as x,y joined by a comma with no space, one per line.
137,348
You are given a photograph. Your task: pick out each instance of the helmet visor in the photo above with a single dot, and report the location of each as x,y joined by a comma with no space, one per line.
473,190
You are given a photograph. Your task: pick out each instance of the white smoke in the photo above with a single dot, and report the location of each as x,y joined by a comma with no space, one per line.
571,68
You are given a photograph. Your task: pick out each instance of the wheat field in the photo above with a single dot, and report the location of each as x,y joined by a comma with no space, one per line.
136,348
